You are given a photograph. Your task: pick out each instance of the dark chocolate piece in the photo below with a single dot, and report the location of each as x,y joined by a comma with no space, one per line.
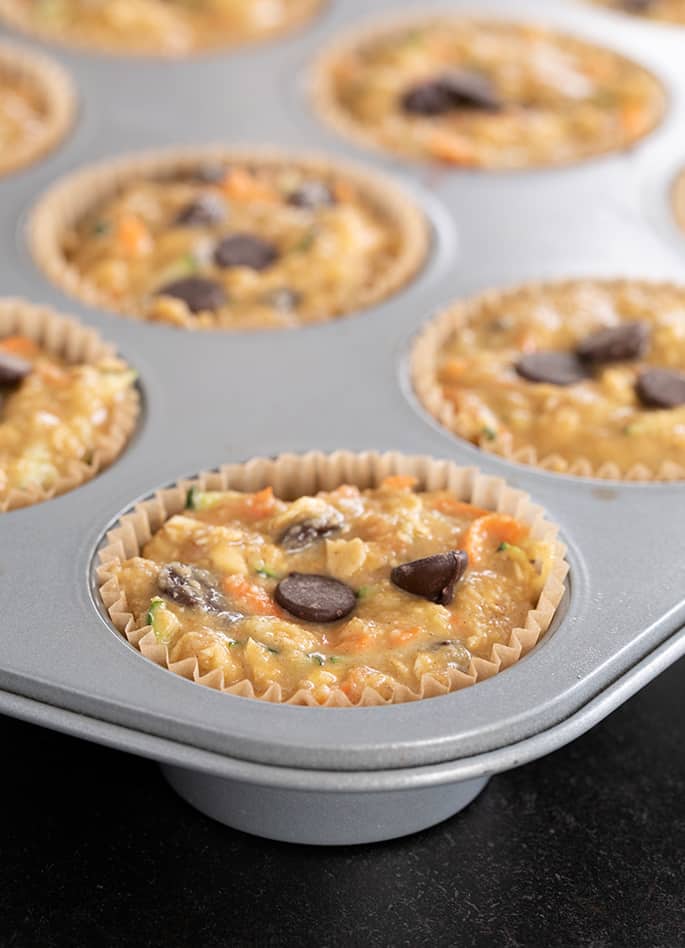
554,368
432,577
615,344
661,388
303,534
198,293
315,598
244,250
451,91
194,587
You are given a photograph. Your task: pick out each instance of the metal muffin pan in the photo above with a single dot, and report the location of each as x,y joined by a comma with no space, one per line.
334,775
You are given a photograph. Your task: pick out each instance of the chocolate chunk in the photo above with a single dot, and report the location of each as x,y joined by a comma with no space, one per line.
205,210
244,250
661,388
615,344
432,577
554,368
303,534
198,293
312,194
451,91
194,587
12,368
315,598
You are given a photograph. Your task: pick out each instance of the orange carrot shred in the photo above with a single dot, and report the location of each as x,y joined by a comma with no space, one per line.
458,508
250,597
133,236
20,346
485,535
259,505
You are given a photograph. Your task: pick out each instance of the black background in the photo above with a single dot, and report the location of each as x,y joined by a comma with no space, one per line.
585,847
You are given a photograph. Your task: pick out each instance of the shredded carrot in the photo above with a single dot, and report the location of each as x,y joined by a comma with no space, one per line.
485,535
451,149
402,636
355,643
399,482
350,688
633,118
354,683
20,346
344,192
250,597
241,186
132,235
458,508
259,505
453,369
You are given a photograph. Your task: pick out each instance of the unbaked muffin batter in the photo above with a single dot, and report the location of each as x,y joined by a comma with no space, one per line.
157,26
486,94
343,590
579,369
238,246
53,414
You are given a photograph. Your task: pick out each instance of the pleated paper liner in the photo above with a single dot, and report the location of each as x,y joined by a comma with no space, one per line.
292,476
65,337
17,15
54,89
70,199
324,97
424,360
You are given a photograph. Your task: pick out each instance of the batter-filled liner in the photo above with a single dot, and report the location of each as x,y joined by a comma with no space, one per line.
292,476
431,352
69,340
175,39
56,219
504,110
51,90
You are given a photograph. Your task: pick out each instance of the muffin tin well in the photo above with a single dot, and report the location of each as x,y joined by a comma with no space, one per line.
213,398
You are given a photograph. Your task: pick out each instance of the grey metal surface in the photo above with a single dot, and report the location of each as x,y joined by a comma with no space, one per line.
212,398
322,818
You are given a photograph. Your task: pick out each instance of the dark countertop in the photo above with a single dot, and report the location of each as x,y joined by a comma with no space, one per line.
585,847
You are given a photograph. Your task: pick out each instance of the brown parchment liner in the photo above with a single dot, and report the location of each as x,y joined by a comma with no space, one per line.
65,203
12,14
424,359
325,101
56,91
65,337
292,476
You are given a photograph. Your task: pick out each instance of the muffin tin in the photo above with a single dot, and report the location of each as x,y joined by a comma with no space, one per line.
336,775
